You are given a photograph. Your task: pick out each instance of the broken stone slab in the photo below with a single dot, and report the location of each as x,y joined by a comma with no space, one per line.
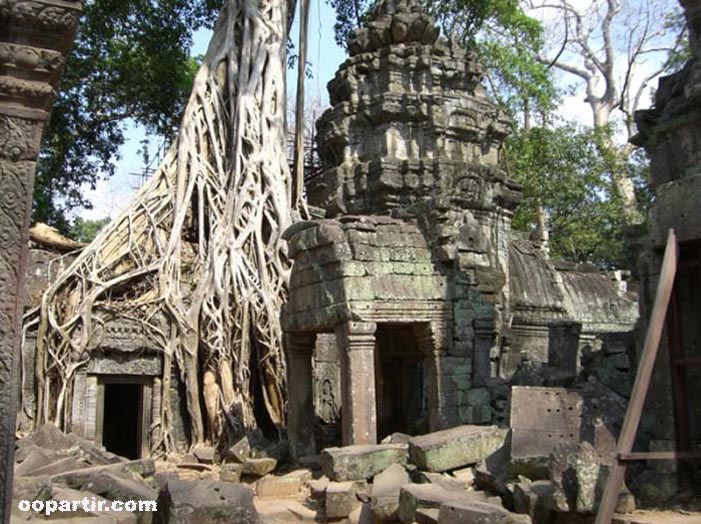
533,499
340,499
441,479
465,475
317,488
578,478
49,437
230,472
76,478
397,438
416,496
204,454
271,486
210,501
361,462
122,488
240,451
427,516
259,466
31,488
59,466
478,513
33,461
456,447
386,487
60,493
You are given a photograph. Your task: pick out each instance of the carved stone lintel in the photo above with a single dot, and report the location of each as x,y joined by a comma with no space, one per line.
35,37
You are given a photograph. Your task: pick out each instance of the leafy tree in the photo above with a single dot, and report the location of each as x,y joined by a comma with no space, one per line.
84,230
565,174
130,61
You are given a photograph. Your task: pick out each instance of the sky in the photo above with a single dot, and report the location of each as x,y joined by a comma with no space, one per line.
112,195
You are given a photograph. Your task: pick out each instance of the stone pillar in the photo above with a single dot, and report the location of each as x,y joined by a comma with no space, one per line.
356,343
431,338
299,349
35,38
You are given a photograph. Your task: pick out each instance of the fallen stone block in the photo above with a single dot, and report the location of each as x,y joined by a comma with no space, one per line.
478,513
77,478
259,466
578,478
31,488
49,437
59,466
533,499
340,499
121,488
230,472
210,501
317,488
204,454
427,516
385,492
456,447
413,497
271,486
33,461
240,451
361,462
465,475
441,479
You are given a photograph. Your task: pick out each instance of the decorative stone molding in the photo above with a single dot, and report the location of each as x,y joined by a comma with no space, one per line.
35,37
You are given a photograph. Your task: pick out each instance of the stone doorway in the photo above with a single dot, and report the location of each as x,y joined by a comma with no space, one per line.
399,381
124,415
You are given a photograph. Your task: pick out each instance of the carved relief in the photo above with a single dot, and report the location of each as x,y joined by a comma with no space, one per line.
25,57
19,138
53,17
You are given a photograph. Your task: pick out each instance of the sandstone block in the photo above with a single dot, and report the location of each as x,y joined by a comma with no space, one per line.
385,492
200,501
259,466
478,513
456,447
340,499
413,497
361,462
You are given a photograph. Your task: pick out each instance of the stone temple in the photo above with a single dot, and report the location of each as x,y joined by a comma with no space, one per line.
413,305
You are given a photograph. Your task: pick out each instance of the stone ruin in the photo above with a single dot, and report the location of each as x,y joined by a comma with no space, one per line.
495,377
413,305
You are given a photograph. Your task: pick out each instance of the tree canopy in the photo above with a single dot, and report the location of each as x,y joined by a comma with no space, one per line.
130,61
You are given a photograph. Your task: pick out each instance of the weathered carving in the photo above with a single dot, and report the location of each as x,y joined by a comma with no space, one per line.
34,38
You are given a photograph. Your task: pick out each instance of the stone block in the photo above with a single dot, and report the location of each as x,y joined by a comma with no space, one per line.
441,479
340,499
231,472
578,478
385,492
258,466
77,478
271,486
204,454
116,487
413,497
478,513
533,499
200,501
34,460
317,488
361,462
427,516
456,447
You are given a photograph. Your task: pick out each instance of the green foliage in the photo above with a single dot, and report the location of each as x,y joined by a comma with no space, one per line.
86,230
563,172
130,61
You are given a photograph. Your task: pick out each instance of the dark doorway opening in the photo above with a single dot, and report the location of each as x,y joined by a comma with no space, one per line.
399,382
121,430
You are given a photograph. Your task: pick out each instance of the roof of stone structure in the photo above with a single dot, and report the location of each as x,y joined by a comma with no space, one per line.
533,280
597,299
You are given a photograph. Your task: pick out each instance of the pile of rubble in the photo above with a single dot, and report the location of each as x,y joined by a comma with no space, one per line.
459,475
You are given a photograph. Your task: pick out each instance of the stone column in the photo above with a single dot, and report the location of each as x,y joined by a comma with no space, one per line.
356,343
432,339
299,349
34,40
